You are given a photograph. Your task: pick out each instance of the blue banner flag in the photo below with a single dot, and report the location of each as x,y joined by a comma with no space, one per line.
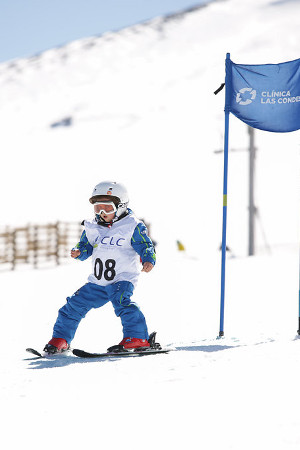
265,96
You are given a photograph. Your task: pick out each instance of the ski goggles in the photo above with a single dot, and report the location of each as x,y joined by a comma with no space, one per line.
105,207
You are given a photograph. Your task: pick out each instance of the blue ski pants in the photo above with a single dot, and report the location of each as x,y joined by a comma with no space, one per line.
94,296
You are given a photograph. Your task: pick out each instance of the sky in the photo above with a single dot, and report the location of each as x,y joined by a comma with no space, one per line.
28,27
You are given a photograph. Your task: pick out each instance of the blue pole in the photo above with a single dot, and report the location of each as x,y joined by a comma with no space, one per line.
225,178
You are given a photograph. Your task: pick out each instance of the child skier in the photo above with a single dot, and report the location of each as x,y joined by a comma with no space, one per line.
117,242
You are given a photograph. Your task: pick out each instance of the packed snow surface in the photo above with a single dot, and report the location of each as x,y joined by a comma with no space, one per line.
141,110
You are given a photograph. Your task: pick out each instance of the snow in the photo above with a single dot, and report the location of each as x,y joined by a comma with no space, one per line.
144,113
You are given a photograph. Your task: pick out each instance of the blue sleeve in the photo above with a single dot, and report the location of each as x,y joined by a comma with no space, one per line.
86,249
143,245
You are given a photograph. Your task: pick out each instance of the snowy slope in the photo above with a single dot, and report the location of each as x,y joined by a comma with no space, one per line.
143,112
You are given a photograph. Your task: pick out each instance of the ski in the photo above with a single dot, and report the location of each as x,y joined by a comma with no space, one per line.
120,354
118,351
83,354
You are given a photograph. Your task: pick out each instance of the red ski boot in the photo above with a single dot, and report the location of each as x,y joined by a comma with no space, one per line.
56,345
131,343
128,344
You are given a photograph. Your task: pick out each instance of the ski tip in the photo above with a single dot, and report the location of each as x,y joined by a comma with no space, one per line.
84,354
34,352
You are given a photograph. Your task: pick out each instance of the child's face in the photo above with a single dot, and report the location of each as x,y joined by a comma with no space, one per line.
106,210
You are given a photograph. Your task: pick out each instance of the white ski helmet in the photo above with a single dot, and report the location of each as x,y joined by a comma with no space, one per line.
111,191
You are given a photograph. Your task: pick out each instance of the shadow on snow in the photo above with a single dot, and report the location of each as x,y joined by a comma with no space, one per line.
60,361
206,348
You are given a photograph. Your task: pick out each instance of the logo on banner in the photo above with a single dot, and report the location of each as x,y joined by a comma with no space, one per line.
245,96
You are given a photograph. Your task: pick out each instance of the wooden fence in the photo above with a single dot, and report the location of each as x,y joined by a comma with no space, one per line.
37,245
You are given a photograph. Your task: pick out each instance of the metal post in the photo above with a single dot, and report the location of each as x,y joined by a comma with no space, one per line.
299,300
